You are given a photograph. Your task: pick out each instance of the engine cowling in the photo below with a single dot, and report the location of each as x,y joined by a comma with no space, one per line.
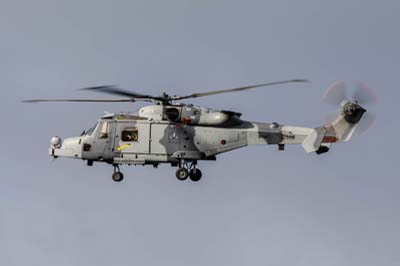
194,115
172,114
214,118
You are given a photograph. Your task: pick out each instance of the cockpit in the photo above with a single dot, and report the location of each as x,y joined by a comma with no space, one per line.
90,131
101,127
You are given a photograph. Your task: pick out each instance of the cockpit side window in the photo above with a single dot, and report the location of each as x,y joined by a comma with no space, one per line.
104,130
130,135
90,131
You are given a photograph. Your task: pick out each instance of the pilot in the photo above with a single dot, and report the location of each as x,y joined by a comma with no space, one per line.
134,136
130,136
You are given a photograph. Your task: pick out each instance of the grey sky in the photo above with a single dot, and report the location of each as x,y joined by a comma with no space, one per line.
254,206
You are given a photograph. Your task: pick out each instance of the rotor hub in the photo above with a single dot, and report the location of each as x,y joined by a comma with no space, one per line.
353,112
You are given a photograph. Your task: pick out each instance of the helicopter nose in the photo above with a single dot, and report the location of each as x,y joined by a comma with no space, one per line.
70,147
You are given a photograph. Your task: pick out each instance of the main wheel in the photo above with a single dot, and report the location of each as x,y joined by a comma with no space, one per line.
182,174
117,176
195,176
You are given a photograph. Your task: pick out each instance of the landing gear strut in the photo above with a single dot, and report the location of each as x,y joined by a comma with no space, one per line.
117,176
185,170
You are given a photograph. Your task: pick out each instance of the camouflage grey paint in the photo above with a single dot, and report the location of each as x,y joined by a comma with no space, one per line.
162,141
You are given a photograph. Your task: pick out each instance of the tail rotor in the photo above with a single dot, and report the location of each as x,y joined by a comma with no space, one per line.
352,98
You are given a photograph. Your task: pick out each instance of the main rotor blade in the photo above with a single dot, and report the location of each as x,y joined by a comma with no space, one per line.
79,100
201,94
120,92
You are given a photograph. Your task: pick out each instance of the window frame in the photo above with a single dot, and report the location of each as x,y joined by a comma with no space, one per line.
101,134
131,130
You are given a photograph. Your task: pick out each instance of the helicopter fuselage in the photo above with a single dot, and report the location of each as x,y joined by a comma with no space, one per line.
183,134
167,134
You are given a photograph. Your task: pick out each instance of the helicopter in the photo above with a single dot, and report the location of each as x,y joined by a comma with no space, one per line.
171,132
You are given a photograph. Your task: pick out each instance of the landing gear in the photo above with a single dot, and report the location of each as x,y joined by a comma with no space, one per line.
185,170
182,174
195,175
117,176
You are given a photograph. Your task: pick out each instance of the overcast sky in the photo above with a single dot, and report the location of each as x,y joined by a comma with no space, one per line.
254,206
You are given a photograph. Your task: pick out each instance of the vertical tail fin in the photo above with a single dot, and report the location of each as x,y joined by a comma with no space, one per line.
340,130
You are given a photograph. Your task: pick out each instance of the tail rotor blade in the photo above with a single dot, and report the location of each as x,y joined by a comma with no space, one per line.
335,94
365,123
364,94
354,93
329,118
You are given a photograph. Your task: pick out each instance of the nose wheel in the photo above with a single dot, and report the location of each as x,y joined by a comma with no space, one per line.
117,176
185,170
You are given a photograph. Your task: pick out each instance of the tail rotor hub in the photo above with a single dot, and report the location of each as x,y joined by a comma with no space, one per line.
353,112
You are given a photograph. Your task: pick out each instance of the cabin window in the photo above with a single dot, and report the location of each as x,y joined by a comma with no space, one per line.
104,130
130,135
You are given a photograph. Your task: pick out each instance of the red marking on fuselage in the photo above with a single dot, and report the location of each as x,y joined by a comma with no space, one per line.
329,139
186,121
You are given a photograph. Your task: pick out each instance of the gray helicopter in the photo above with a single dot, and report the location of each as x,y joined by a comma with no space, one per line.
183,134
